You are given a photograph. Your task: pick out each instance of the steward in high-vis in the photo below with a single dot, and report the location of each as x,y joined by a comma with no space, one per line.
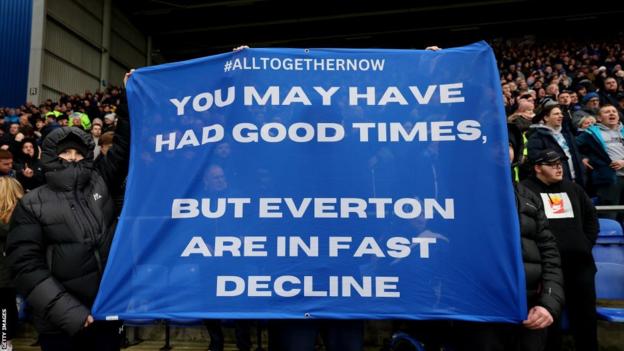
61,235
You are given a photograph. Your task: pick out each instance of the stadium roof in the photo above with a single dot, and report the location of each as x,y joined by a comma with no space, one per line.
183,29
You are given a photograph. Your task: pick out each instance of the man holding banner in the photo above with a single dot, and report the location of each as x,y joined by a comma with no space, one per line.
544,279
60,238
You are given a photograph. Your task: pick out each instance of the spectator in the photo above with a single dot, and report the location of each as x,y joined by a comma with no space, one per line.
58,267
608,95
585,123
603,146
106,141
524,114
96,133
544,280
564,99
109,122
11,192
63,120
28,167
548,133
572,218
11,117
6,164
591,103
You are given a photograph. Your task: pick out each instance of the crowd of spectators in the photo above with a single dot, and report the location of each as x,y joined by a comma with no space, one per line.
565,95
538,72
561,96
23,128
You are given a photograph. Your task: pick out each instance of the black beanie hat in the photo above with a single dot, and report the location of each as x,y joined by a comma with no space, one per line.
72,141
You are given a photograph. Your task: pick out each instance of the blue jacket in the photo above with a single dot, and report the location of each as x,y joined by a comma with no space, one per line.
592,145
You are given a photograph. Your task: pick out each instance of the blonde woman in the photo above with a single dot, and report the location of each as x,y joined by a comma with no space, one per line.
10,193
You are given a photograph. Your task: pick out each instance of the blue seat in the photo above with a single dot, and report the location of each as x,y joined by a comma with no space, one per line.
610,281
610,314
610,286
609,253
404,341
610,232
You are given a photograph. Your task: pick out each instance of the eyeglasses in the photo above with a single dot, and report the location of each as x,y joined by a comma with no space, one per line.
555,165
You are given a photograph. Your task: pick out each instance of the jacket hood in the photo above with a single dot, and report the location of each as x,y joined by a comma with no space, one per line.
49,156
62,175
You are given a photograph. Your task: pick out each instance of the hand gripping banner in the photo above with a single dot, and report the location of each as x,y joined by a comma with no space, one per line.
318,183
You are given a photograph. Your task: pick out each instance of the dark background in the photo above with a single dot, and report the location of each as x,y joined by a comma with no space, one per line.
184,29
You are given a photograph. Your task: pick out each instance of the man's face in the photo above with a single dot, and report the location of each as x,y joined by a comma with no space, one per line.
554,119
96,130
28,149
610,85
215,179
552,90
71,155
550,173
564,99
24,120
14,129
6,165
609,116
593,103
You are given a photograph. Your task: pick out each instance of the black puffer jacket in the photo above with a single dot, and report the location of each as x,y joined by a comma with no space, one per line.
542,263
61,232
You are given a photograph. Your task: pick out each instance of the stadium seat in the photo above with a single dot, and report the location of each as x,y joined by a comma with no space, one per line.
610,286
403,341
610,314
610,232
609,253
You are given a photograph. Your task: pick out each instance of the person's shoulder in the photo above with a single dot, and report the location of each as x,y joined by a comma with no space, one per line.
525,192
34,196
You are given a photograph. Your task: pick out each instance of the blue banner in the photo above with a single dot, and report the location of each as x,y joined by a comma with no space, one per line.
320,183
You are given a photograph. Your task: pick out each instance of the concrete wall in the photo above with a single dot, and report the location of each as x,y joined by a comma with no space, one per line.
84,45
